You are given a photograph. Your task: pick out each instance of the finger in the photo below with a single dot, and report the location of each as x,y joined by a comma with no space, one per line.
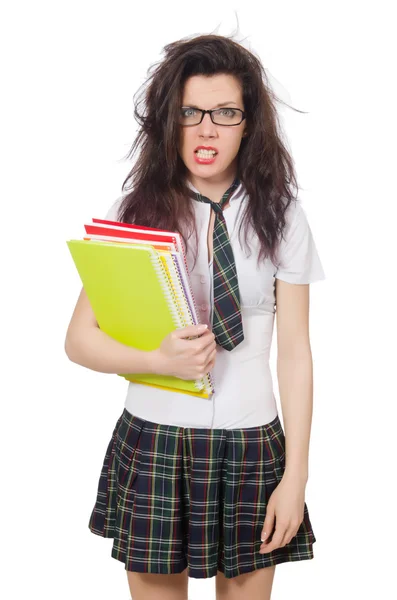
211,356
189,331
208,341
201,344
289,534
268,524
275,542
209,359
207,363
211,365
192,333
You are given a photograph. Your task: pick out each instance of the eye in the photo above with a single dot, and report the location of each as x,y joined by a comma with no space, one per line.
187,112
227,110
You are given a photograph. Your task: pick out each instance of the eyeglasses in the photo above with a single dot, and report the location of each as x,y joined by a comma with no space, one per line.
220,116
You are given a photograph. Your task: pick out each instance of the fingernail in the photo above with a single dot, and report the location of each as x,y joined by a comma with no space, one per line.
263,537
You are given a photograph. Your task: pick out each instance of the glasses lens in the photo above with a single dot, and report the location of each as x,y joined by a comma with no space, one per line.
227,116
190,116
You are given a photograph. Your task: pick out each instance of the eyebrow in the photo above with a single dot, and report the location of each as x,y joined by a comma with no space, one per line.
216,105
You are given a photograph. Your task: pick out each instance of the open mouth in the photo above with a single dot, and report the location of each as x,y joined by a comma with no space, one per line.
207,158
205,153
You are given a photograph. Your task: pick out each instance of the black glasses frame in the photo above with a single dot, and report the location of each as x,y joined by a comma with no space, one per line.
243,115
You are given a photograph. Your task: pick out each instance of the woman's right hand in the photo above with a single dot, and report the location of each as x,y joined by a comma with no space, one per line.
187,359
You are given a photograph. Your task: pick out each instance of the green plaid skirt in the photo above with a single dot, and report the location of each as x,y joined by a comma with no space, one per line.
182,497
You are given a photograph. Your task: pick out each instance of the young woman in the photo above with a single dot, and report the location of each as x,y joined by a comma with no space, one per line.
190,486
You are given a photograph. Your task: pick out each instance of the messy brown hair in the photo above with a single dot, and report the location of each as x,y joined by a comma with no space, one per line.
156,192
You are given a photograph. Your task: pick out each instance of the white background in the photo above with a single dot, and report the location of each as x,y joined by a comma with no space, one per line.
69,73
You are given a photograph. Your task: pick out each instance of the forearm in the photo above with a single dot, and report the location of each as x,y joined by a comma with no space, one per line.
295,381
96,350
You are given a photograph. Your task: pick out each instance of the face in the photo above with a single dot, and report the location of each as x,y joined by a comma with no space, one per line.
207,93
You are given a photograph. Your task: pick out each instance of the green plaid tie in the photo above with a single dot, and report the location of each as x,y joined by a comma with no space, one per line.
226,319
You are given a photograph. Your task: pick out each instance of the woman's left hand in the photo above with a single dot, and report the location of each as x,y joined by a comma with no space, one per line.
286,505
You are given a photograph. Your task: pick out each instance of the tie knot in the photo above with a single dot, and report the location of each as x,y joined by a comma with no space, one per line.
218,206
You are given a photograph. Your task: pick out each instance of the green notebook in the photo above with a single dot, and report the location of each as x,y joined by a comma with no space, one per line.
132,299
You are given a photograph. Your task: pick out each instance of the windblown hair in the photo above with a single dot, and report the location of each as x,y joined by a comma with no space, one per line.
156,193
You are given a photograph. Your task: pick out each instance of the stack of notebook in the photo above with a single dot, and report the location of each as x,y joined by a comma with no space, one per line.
137,281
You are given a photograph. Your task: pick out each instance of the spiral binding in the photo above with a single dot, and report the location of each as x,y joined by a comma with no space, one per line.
182,289
166,288
177,303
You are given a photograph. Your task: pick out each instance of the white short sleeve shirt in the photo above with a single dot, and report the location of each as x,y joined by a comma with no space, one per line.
243,384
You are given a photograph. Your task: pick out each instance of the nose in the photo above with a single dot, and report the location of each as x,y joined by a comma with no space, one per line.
207,128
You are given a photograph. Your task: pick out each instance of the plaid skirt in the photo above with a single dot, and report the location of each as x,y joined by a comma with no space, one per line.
180,497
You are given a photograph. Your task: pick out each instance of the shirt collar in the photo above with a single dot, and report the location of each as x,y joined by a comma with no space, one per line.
237,194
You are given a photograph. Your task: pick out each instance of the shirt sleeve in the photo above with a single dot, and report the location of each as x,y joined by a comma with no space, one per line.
111,214
298,259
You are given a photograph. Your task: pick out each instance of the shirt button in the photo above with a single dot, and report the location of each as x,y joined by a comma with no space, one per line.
204,306
202,279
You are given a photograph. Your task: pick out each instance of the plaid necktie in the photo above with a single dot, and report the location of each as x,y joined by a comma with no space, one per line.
226,319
